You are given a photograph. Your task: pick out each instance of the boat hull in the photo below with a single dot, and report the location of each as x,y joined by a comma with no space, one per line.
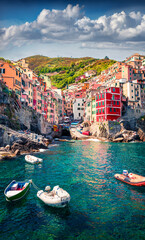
52,202
33,159
136,180
18,195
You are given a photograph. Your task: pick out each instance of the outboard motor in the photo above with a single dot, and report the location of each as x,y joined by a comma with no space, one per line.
125,172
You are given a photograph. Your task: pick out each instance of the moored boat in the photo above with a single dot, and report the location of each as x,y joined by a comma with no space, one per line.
55,198
17,190
131,178
42,150
33,159
86,133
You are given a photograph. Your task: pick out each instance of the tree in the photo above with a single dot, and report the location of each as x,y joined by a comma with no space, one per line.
106,58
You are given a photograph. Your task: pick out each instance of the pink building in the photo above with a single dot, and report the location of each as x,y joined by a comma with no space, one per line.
108,104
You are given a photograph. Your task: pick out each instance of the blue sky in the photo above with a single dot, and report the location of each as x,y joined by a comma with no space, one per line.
72,29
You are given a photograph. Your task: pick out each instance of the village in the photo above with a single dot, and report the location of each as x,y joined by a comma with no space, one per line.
117,92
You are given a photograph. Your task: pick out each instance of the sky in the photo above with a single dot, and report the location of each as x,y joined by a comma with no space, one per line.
72,28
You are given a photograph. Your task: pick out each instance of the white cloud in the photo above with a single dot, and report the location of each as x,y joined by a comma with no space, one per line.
70,25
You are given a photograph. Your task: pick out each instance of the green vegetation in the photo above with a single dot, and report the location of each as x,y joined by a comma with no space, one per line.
66,69
5,60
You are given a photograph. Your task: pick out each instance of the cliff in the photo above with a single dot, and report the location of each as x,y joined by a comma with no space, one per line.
20,117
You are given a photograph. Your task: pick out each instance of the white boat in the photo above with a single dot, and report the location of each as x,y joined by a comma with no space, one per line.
33,159
42,150
55,198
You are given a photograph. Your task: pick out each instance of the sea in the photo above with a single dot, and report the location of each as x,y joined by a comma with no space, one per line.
101,207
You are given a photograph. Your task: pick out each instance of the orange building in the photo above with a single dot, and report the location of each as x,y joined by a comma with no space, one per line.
11,77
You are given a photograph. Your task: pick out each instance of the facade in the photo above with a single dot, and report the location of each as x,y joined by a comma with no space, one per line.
108,105
78,108
11,77
133,92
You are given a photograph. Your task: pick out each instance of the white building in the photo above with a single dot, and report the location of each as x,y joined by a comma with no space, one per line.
78,108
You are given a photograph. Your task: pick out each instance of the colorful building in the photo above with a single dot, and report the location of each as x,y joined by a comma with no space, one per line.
108,104
11,77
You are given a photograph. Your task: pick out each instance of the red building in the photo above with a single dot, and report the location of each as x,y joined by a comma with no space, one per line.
108,104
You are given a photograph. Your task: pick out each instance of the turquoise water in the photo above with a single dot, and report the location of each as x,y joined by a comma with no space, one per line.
100,208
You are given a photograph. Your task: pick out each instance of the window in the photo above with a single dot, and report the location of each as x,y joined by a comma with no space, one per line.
114,102
99,110
113,97
103,110
99,103
110,109
103,103
79,114
117,103
78,108
78,104
96,97
99,96
131,90
102,95
114,109
2,70
96,104
113,89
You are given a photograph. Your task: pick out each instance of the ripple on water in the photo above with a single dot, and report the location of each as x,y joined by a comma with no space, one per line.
100,208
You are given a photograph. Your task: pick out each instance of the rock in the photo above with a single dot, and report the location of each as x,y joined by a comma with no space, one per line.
2,149
17,152
141,134
19,141
13,139
1,157
118,135
7,148
17,146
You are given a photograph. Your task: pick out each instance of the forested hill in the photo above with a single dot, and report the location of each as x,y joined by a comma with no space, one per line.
66,69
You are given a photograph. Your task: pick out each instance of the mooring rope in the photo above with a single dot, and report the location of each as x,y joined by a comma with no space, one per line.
37,188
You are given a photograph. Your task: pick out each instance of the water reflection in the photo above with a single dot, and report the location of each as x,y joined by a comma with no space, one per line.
100,208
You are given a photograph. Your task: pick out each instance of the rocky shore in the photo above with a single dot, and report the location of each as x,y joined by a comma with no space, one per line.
14,143
113,131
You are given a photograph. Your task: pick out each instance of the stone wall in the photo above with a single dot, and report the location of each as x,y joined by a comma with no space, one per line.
105,129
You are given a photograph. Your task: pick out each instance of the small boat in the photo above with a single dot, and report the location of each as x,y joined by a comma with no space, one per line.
55,198
42,150
131,178
17,190
86,133
33,159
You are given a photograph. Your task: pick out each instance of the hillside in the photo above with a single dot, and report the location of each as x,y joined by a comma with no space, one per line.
66,69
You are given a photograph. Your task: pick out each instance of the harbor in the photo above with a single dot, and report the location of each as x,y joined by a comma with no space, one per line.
101,207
